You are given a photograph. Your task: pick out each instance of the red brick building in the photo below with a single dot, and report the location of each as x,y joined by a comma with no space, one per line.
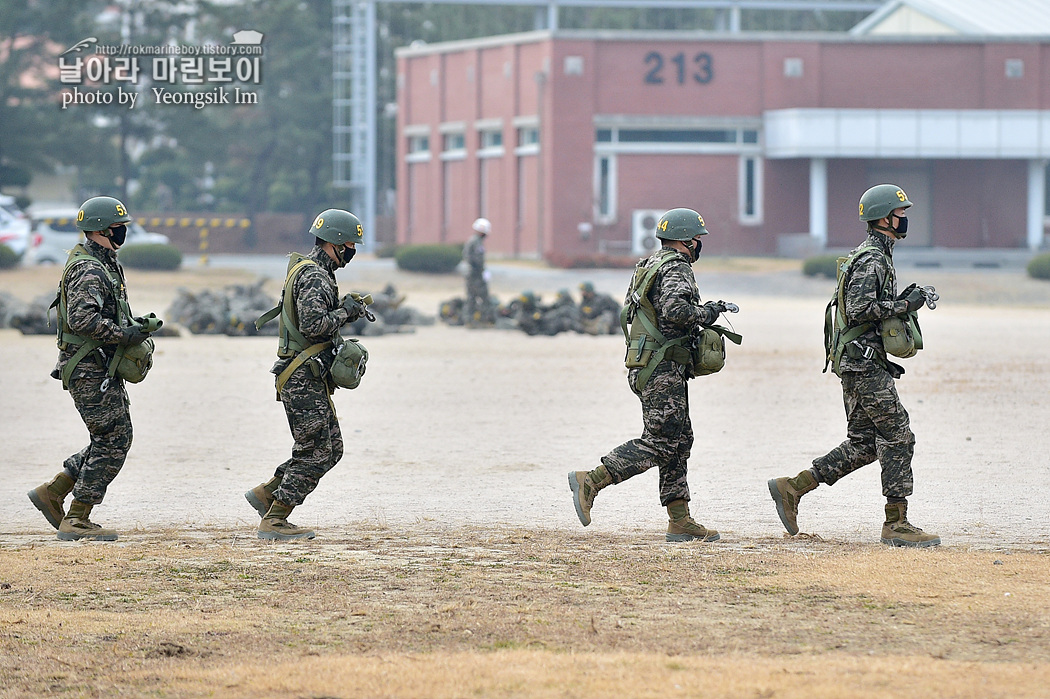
573,142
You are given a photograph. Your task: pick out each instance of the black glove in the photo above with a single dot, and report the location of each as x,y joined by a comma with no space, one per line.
133,336
904,294
354,308
915,299
712,309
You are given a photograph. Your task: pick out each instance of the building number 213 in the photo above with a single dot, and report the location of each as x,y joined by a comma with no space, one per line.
701,70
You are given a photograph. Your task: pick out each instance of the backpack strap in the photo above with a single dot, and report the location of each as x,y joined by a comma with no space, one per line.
638,295
291,338
843,333
639,309
66,337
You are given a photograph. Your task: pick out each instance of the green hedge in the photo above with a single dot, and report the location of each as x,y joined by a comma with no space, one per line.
1039,266
8,258
151,256
822,265
435,259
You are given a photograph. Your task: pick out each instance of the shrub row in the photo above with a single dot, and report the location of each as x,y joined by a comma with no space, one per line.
8,258
1039,266
151,256
433,259
822,265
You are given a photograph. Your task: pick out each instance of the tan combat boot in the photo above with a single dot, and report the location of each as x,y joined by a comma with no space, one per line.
585,486
261,496
898,531
786,493
275,524
682,527
48,498
76,525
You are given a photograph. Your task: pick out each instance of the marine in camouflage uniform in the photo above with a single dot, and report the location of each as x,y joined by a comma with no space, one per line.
561,316
667,434
93,313
599,313
478,310
306,392
877,425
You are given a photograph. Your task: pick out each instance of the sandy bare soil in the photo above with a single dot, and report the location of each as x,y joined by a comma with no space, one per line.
433,611
450,561
469,427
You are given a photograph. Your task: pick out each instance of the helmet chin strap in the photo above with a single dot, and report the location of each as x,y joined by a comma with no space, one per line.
885,230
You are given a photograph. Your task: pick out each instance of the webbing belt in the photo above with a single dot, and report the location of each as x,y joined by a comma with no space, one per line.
300,359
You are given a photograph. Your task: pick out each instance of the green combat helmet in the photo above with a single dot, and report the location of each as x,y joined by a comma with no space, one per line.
880,201
338,227
680,224
99,213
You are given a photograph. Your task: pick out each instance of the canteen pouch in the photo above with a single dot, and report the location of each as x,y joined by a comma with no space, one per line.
708,353
136,361
349,364
901,335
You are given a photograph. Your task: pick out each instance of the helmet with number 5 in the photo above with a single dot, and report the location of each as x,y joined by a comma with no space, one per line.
680,224
99,213
880,201
338,227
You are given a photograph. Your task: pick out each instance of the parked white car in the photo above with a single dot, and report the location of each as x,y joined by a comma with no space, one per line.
15,227
56,233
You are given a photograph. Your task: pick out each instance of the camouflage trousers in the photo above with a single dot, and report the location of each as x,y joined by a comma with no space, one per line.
318,442
107,416
877,427
477,307
667,434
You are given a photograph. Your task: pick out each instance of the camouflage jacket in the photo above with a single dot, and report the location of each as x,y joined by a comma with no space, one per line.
474,254
316,297
676,298
597,304
870,295
92,305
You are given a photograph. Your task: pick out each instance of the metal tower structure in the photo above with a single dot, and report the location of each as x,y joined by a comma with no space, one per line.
354,74
354,107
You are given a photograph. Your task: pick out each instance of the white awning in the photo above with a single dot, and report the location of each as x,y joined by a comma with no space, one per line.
907,133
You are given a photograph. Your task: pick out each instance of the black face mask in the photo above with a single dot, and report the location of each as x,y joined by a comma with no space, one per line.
901,231
695,250
118,234
348,254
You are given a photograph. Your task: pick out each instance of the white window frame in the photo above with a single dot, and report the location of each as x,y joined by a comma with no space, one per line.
608,216
416,154
485,148
414,133
452,129
753,218
522,125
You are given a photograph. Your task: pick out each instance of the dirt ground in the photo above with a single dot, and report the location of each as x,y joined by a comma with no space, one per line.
449,560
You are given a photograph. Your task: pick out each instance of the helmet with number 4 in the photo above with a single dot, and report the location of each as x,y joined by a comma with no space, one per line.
880,201
680,224
99,213
338,227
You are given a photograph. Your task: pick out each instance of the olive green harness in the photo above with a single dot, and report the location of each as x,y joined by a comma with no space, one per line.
86,345
838,333
646,345
291,342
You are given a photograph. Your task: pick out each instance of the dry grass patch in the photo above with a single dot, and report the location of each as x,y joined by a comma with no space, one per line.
460,611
